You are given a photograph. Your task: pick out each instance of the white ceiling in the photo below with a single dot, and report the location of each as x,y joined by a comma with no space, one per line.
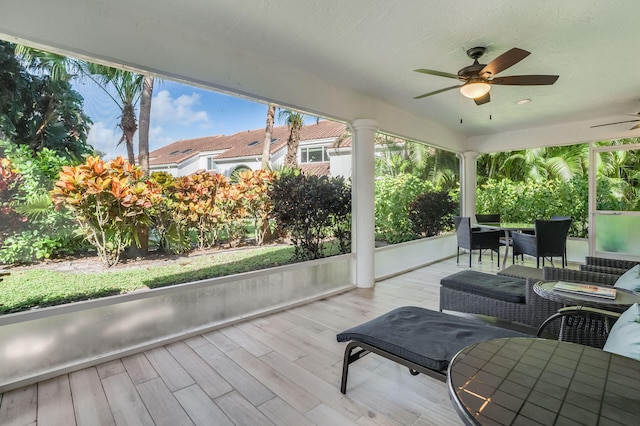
355,59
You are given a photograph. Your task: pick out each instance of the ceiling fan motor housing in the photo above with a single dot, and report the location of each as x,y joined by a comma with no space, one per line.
471,71
474,69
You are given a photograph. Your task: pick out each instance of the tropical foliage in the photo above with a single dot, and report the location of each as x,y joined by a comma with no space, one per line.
312,210
526,201
39,111
538,183
125,88
110,200
31,228
254,188
431,213
408,175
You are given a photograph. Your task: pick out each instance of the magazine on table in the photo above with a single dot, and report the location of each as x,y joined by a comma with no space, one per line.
586,289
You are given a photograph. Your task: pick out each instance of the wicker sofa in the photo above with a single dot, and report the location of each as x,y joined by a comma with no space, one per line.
530,309
607,266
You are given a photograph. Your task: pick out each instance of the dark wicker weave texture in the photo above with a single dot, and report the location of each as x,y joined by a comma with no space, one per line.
602,262
533,312
603,269
472,239
585,328
550,240
558,274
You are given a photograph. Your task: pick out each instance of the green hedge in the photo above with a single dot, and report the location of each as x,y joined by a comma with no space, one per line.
528,201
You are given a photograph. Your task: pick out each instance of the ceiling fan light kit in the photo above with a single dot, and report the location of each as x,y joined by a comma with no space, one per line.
475,89
478,78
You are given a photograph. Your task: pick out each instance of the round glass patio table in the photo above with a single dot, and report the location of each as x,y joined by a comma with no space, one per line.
624,298
527,381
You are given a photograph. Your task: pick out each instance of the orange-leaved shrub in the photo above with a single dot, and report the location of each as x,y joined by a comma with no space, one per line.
194,200
110,200
255,188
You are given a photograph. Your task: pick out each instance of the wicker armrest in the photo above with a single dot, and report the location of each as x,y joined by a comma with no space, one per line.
603,269
611,263
581,324
550,274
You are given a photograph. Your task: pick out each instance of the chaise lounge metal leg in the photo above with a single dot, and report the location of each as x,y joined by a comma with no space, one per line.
350,357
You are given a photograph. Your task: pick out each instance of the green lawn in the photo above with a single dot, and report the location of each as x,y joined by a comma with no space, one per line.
33,287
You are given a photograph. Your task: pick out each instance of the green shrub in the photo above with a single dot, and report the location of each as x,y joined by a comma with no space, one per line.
393,195
541,199
431,213
36,244
43,231
312,209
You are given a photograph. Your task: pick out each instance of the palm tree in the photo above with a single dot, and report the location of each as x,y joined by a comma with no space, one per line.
295,121
129,88
145,123
268,132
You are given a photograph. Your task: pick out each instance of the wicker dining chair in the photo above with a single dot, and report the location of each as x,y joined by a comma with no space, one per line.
470,239
558,217
550,240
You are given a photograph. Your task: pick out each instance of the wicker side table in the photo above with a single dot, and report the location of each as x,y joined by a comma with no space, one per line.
624,298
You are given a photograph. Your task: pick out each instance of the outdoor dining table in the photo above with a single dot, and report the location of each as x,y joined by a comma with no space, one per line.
508,228
526,381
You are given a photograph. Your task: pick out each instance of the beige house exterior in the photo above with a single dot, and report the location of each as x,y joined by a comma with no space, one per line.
324,149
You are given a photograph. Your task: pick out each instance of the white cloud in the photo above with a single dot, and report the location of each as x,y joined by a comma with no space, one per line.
180,111
158,138
105,140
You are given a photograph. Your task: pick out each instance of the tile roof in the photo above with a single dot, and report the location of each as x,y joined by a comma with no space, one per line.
344,142
320,169
241,144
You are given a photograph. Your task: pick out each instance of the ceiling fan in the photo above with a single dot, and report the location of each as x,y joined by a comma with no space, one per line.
637,126
478,78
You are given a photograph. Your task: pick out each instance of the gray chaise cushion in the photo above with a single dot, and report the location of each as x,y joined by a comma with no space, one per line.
427,338
498,287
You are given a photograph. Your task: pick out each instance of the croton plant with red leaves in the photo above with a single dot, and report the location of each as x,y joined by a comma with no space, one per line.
110,201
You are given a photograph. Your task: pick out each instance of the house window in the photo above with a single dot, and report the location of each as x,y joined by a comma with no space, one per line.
315,154
211,164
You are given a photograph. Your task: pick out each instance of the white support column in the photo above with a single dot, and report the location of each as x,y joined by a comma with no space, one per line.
468,196
362,200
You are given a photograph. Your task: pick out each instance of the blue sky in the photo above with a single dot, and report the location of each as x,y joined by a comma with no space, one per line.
177,112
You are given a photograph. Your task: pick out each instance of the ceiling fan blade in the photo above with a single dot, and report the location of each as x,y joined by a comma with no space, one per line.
438,73
437,91
525,80
504,61
484,99
618,122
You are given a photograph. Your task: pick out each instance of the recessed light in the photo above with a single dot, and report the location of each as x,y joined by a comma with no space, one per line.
523,101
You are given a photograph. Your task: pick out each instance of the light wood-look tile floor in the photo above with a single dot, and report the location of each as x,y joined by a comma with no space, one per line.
281,369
